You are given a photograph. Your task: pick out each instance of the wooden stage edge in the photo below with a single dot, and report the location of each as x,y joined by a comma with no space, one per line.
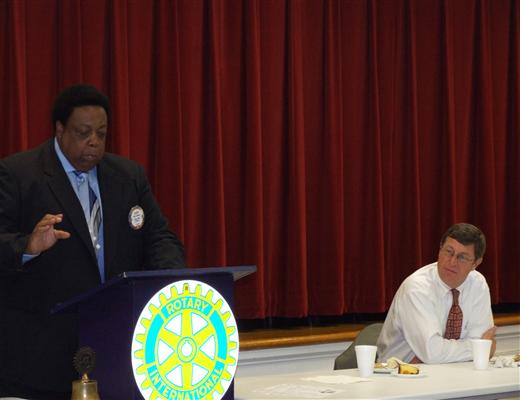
271,338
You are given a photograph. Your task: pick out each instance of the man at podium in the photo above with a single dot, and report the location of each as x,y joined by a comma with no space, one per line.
71,217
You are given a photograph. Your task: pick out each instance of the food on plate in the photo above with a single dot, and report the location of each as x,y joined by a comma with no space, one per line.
402,367
408,369
393,362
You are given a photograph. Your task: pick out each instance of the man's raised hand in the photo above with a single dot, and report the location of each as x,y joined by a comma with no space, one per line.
44,236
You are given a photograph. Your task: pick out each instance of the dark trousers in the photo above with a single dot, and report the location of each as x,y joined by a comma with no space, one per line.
12,389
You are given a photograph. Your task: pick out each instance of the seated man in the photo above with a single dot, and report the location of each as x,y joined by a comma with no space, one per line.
439,307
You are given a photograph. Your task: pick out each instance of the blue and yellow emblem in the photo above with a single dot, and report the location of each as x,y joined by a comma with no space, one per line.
185,344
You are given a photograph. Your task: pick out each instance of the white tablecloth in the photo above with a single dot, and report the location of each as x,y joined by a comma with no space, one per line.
445,381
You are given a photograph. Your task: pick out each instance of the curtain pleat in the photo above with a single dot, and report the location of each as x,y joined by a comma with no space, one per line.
508,124
121,94
330,143
16,85
168,133
249,222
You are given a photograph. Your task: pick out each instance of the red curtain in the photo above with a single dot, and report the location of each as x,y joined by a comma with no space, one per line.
330,143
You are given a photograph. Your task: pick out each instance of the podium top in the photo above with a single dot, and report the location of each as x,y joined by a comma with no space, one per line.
238,272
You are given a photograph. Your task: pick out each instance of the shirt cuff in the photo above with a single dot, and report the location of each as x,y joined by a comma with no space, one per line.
28,257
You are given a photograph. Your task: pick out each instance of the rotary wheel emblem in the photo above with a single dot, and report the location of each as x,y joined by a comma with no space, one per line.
185,344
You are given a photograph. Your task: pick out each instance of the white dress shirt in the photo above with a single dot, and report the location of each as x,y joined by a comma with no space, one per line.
416,321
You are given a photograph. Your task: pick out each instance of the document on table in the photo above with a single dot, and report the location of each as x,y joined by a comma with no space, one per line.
307,391
295,391
336,379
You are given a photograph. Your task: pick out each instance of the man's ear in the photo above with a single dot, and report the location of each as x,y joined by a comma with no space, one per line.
59,129
478,262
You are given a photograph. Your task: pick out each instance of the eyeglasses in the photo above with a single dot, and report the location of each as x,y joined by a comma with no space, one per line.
461,258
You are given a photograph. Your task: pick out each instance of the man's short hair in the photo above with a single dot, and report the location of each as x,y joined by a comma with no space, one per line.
77,96
467,234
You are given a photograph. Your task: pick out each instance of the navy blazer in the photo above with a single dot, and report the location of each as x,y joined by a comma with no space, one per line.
36,348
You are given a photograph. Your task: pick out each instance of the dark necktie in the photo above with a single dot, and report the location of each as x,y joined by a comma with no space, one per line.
454,322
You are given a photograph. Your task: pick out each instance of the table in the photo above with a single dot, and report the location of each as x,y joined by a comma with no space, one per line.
442,381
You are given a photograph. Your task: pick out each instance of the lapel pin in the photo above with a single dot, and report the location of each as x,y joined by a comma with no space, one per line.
136,217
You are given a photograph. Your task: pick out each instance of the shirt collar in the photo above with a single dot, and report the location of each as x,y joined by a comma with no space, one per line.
67,166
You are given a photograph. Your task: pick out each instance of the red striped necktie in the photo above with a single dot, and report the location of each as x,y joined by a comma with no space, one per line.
454,322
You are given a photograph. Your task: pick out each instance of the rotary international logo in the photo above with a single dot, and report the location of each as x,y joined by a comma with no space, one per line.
185,344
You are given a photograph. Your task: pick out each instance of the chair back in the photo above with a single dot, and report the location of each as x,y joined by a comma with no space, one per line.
367,336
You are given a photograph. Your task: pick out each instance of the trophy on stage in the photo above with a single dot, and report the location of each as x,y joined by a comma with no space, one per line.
85,388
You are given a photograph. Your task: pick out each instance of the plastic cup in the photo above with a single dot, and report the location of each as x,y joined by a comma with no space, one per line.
365,357
481,349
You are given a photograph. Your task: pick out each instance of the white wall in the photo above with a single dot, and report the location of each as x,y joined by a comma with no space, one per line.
320,357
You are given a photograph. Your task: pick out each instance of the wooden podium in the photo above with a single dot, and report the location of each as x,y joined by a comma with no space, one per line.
109,314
